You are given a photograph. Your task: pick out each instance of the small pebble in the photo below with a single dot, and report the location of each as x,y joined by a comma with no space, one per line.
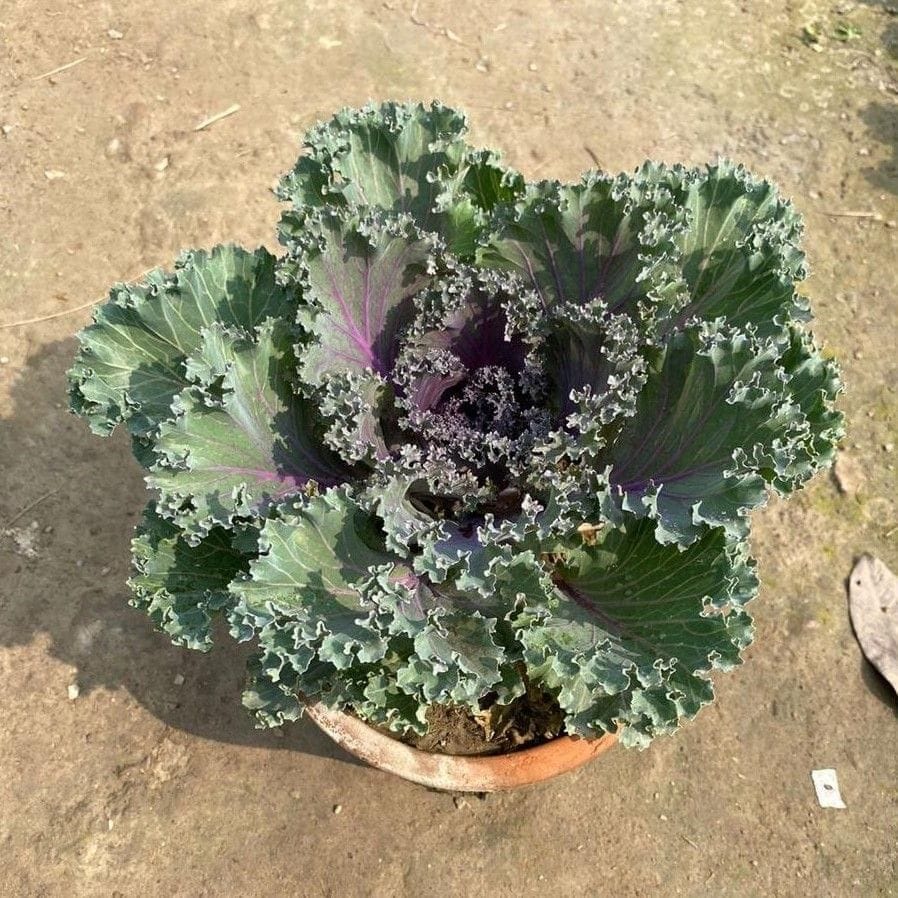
162,164
6,129
104,571
74,691
863,151
532,66
4,359
53,174
888,447
115,35
338,808
662,816
179,680
113,146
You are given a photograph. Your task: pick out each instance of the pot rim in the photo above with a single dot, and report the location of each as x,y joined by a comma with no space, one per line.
457,773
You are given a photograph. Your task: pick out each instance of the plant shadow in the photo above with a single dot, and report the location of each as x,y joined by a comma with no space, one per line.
882,118
63,565
879,685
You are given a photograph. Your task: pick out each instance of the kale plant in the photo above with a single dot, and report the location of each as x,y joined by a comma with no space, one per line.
469,433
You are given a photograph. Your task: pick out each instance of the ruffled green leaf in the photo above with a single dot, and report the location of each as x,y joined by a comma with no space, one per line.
131,364
634,627
271,692
578,244
598,256
723,416
370,690
814,383
456,657
312,562
407,159
182,587
257,444
740,255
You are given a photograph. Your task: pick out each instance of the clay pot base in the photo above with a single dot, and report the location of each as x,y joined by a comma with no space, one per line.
457,773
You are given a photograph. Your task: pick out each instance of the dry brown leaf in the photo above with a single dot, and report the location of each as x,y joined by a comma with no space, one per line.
873,604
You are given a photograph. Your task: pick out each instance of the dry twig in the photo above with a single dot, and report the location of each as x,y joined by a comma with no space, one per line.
41,318
217,117
874,215
62,68
28,508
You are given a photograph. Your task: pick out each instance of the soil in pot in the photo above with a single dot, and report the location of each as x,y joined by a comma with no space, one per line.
528,721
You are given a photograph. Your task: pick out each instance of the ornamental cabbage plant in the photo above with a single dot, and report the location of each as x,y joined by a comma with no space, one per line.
468,434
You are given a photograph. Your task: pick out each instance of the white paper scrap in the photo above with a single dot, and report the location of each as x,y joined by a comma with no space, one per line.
826,784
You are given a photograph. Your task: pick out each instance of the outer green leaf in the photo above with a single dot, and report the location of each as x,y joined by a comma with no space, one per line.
309,572
722,416
740,255
258,444
574,244
131,363
401,158
470,194
814,384
385,704
379,156
181,586
271,691
635,626
456,656
369,689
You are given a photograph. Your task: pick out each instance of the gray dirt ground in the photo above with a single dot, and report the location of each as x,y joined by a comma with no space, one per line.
143,787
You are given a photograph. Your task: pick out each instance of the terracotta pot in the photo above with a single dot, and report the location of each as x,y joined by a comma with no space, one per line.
457,773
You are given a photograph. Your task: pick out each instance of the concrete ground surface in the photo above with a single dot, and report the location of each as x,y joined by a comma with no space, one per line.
117,781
